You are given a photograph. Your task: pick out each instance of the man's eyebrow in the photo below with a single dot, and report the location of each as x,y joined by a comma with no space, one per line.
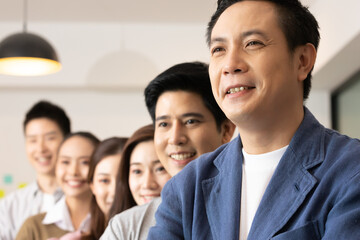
46,134
162,117
217,39
189,114
51,133
254,32
243,35
193,114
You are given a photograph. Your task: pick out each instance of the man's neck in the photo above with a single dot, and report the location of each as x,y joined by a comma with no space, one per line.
270,134
47,183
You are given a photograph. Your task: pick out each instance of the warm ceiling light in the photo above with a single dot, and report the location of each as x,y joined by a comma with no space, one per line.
27,54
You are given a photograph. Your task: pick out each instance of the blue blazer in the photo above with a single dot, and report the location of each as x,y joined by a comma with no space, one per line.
313,194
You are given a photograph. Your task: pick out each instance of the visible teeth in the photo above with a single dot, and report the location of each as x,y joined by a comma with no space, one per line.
74,183
42,159
237,89
181,156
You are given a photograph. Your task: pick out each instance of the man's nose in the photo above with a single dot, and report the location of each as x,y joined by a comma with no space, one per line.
177,136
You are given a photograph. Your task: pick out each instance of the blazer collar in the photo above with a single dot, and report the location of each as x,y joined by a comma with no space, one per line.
286,191
222,193
291,181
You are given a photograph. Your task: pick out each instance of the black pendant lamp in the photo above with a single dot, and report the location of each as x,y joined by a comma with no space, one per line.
27,54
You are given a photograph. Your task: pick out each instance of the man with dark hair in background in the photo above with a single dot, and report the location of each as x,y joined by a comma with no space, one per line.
45,126
188,123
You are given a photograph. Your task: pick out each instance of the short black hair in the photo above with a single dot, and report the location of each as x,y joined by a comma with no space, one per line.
297,23
190,77
46,109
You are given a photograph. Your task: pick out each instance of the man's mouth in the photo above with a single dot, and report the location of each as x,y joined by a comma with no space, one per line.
182,156
238,89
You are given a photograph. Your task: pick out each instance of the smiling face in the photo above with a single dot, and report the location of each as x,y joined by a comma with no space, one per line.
42,140
253,75
104,181
72,167
147,176
184,129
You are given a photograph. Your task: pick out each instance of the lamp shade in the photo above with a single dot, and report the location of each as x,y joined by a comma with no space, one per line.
27,54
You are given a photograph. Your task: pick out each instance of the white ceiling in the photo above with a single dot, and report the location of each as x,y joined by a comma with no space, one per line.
111,10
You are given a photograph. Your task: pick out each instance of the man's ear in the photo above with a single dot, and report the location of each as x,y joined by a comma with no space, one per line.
227,130
307,57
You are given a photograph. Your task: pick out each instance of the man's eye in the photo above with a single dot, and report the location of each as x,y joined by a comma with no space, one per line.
162,124
254,43
191,121
216,50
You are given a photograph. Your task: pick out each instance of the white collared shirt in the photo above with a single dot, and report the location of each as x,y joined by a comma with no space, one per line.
19,205
60,216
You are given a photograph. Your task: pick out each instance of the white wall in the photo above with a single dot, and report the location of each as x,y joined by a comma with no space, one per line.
338,54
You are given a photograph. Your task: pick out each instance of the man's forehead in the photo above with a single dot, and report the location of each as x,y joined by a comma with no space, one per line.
249,12
195,106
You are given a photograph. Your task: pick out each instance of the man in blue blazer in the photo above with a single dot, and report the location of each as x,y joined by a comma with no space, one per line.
285,176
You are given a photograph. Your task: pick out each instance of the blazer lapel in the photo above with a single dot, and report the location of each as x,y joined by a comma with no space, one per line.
291,182
222,193
285,193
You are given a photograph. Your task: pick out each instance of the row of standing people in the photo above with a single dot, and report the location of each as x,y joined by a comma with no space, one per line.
195,126
285,176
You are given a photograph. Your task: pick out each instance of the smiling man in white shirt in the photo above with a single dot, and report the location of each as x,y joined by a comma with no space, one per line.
45,126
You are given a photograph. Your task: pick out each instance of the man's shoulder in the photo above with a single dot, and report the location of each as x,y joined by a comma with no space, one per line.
22,194
342,139
341,147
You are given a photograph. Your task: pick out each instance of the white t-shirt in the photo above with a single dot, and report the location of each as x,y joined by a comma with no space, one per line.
257,171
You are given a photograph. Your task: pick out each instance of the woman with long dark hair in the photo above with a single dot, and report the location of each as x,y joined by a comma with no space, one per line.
102,179
141,176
